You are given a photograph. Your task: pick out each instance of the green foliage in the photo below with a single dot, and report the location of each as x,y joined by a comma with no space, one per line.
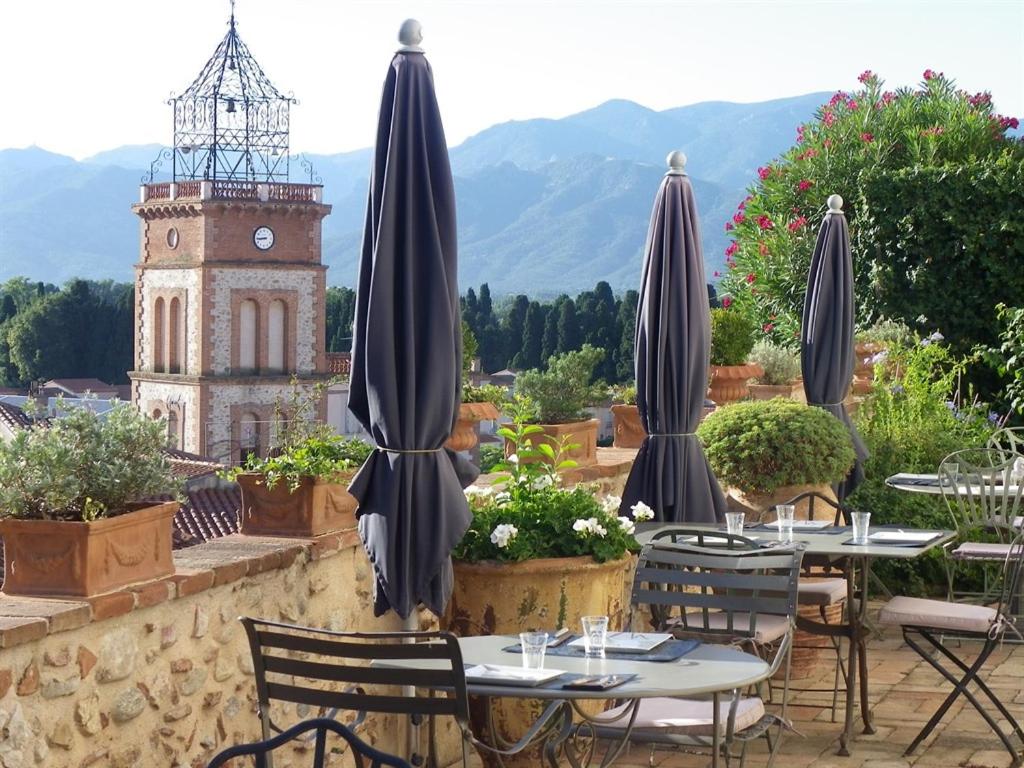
1008,358
732,337
564,389
84,466
624,394
933,188
491,455
781,364
531,516
340,312
760,446
913,418
487,393
886,333
469,349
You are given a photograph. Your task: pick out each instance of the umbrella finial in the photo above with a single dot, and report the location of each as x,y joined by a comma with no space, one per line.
410,35
835,204
676,163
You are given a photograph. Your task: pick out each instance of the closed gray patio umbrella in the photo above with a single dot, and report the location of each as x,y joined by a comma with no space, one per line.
673,349
407,348
826,333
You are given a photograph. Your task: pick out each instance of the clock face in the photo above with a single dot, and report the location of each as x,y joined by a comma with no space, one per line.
172,238
263,238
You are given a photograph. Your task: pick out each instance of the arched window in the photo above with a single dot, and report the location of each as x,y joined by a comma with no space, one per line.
158,335
277,335
248,328
174,336
248,435
173,430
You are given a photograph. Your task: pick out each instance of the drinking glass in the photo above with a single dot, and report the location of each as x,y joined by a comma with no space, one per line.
785,514
533,646
861,523
951,470
595,633
734,522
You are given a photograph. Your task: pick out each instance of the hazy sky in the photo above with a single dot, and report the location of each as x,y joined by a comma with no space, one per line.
81,76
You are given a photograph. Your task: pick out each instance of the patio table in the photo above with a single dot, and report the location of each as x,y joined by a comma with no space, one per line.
925,483
836,548
706,670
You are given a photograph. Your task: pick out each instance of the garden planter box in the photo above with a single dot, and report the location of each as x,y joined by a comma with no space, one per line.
464,437
315,508
53,558
729,382
768,391
581,433
627,428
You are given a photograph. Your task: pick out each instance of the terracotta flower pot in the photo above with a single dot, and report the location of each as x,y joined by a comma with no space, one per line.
627,428
729,382
864,351
56,558
315,508
493,598
581,433
464,436
756,505
768,391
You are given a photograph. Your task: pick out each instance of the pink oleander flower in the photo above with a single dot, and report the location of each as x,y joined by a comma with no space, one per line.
732,248
866,75
767,327
828,118
764,173
930,74
888,97
795,224
852,104
726,302
717,273
867,138
980,99
765,222
827,143
728,226
807,154
762,248
935,130
839,97
750,277
800,134
804,185
739,218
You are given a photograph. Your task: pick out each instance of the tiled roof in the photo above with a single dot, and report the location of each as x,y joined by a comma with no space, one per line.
78,386
13,417
187,465
207,514
339,363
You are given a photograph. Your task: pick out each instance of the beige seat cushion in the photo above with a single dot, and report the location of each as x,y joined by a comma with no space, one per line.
981,550
821,591
918,612
768,628
685,716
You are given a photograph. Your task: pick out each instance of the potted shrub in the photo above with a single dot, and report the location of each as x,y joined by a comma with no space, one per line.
781,368
768,451
301,487
73,511
732,338
627,429
560,394
537,556
479,403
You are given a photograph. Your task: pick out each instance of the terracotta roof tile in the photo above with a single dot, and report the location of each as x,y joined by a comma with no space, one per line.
207,514
339,364
14,417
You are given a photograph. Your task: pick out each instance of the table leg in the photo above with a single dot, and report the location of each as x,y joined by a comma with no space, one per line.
862,631
851,665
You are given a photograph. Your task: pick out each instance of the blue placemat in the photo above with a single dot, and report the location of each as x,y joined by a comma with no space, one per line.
670,650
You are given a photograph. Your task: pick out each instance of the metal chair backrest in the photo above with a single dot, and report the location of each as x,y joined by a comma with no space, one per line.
292,664
684,585
261,751
981,490
701,537
821,507
1008,440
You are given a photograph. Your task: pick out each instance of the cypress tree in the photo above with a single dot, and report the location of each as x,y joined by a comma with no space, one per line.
568,328
533,338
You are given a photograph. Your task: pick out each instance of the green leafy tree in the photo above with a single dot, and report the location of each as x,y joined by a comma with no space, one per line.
513,327
550,344
626,327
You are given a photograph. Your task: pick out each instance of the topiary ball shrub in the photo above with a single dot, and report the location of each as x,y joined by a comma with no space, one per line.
760,446
732,337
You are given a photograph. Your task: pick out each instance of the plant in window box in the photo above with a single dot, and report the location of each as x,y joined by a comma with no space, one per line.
74,514
560,396
301,487
732,338
627,428
781,368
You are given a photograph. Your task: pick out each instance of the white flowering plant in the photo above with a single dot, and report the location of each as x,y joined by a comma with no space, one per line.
529,514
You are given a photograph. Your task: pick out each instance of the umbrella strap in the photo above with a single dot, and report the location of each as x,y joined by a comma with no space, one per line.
674,434
836,405
410,450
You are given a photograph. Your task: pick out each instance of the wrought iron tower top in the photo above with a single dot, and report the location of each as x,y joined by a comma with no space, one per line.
231,123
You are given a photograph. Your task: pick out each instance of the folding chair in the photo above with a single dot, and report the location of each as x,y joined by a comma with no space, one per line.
292,664
926,620
260,751
714,594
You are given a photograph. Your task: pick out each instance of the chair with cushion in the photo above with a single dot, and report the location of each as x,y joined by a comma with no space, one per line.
924,622
716,595
320,727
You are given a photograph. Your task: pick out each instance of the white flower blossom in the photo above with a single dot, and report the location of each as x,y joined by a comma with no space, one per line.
937,337
512,458
641,512
590,526
503,534
611,504
878,358
502,497
479,490
627,525
542,481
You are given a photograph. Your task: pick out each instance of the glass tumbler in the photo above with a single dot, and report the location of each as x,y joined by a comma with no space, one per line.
595,633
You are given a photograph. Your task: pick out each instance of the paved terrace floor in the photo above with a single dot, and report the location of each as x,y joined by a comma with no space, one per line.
905,691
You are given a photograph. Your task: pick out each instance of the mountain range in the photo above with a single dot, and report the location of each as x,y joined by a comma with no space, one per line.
544,206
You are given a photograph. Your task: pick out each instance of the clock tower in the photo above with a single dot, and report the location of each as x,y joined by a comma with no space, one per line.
230,288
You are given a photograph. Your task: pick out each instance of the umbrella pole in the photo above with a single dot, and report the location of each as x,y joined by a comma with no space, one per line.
410,624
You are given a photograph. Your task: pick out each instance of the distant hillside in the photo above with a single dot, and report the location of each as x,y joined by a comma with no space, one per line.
544,206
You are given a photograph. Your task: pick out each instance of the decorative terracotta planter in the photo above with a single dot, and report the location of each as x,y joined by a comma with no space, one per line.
811,650
729,382
55,558
508,598
464,437
756,505
627,428
769,391
581,433
315,508
864,351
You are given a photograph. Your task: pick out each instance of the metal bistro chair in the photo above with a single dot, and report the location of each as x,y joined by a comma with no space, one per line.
1007,439
982,494
719,595
260,751
292,663
927,620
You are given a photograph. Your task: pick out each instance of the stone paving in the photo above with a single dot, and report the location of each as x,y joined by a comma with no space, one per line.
905,692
